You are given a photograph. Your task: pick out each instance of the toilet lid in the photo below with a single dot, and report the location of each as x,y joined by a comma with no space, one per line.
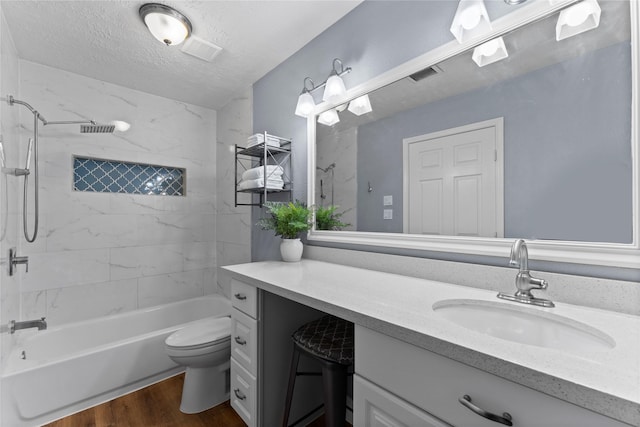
205,331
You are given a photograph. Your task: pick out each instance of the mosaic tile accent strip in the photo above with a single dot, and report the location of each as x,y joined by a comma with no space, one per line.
106,176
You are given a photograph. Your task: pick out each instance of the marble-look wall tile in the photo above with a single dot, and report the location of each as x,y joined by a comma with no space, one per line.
50,270
83,302
142,261
166,288
10,187
233,224
93,246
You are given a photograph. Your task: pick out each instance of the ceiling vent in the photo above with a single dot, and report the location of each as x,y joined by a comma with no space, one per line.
427,72
201,49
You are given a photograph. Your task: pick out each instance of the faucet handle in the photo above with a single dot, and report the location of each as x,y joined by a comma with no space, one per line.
538,283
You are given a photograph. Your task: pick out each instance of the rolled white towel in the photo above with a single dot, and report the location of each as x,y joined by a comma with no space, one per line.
274,184
273,171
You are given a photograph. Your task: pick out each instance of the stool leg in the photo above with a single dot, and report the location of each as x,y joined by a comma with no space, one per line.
293,370
334,381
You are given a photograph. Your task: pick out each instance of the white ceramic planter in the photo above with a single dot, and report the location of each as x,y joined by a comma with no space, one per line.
291,250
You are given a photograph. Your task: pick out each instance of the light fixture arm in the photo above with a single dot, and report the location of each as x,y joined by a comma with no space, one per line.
335,71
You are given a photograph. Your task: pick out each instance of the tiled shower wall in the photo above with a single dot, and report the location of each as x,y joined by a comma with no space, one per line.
98,253
233,223
9,120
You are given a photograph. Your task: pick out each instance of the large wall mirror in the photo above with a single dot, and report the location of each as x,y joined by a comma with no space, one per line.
460,157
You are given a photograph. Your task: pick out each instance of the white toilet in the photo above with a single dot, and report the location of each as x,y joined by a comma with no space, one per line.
204,347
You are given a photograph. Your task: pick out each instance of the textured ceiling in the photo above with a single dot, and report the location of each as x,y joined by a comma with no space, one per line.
107,40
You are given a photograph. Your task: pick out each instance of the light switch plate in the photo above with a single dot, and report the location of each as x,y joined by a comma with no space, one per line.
388,214
388,200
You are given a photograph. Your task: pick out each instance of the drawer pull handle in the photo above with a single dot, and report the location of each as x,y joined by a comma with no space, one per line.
239,394
241,297
240,341
504,419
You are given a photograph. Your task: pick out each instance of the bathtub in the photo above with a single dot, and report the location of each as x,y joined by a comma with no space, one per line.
62,370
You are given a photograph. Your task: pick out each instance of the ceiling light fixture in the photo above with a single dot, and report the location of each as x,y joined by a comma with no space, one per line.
165,23
577,19
471,20
360,106
120,126
490,52
334,90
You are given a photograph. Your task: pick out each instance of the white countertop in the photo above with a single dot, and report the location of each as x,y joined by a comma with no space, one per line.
606,381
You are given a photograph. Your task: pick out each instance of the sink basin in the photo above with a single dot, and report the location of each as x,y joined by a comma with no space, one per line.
524,325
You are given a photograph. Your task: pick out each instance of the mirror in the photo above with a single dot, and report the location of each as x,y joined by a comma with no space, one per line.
537,145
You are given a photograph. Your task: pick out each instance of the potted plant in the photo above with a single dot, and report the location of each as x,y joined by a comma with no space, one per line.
328,219
287,220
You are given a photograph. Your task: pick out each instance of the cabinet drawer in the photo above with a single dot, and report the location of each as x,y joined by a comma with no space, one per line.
435,384
375,407
243,393
244,341
244,297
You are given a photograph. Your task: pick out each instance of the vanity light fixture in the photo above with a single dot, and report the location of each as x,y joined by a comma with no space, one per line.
490,52
335,89
471,19
329,117
165,23
576,19
360,105
306,104
333,92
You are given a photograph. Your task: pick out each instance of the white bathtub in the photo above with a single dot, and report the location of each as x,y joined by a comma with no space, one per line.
78,365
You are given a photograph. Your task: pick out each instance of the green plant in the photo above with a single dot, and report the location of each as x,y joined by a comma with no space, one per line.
328,219
286,219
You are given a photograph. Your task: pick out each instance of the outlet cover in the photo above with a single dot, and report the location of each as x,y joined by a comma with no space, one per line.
388,200
388,214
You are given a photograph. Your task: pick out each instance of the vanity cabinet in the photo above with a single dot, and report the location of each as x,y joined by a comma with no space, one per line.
244,351
398,384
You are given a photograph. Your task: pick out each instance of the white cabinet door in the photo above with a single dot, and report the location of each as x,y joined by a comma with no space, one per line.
244,341
374,407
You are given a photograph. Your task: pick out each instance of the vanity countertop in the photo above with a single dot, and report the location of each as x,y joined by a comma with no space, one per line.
605,381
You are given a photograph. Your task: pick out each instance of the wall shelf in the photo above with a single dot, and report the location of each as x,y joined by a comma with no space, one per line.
270,151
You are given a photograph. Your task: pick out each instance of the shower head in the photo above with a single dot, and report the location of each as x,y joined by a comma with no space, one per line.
95,128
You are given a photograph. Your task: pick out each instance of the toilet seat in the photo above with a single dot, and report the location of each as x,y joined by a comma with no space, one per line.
212,331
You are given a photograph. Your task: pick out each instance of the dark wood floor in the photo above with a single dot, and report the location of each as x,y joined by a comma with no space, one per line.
154,406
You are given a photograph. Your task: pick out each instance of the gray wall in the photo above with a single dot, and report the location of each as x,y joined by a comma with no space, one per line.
373,38
568,169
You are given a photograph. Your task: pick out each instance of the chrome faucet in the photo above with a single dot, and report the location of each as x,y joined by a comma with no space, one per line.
525,283
40,324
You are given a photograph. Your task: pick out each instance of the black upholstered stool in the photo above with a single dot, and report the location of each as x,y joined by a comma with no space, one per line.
329,340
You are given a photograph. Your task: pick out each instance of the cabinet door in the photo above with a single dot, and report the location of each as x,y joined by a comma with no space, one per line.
244,341
374,407
243,394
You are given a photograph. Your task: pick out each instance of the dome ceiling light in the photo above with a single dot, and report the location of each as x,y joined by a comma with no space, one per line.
165,23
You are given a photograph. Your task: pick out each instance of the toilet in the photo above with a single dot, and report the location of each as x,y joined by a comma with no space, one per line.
204,347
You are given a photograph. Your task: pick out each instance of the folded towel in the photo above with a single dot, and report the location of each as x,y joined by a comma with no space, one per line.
258,138
274,184
273,171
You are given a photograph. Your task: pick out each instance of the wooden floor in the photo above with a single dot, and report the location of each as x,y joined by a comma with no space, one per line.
156,405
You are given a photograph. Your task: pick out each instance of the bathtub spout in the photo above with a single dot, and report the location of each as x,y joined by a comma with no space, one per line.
40,324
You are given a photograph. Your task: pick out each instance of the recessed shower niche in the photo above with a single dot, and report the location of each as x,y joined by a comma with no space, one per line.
110,176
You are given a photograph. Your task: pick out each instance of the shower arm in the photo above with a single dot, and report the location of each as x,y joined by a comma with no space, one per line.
44,121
